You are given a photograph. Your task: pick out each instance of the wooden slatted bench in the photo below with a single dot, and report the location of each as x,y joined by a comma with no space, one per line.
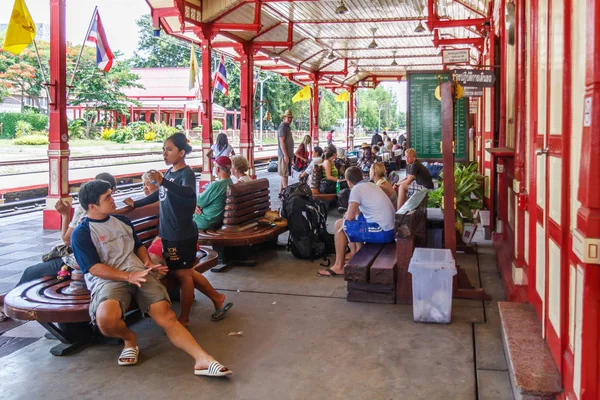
245,204
533,373
371,274
317,176
62,306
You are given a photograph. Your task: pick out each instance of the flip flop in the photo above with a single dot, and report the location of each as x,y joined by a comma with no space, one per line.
129,353
221,313
214,370
331,274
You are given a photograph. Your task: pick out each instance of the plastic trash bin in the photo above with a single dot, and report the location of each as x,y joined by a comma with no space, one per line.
432,275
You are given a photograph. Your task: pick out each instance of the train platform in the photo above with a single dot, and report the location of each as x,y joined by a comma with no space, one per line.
301,338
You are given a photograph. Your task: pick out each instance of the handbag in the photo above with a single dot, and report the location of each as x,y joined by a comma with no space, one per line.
327,186
58,251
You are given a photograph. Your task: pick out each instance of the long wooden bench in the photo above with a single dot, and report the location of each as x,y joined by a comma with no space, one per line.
317,176
62,306
244,224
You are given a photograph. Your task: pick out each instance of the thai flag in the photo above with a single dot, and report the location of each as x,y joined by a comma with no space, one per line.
220,82
104,56
355,103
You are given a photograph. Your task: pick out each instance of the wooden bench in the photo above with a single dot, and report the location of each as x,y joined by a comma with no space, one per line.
317,176
62,306
371,274
245,205
533,373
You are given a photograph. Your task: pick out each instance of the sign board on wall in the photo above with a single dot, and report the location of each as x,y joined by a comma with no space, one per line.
425,117
459,56
475,78
473,106
471,91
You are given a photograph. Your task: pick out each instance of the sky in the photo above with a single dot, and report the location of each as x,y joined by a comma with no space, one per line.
118,18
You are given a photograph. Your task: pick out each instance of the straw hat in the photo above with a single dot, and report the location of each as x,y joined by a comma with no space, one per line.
365,145
287,113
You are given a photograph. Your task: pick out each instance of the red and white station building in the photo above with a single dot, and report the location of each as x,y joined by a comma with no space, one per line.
537,128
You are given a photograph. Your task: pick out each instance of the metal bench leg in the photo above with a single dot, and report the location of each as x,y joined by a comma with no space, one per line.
67,345
243,255
222,265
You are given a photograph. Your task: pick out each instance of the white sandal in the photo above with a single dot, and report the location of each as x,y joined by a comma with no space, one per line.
128,354
214,369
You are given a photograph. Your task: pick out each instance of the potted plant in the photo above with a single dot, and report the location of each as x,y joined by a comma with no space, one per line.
468,194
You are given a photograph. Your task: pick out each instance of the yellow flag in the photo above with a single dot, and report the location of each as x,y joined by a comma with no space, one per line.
21,29
194,68
343,97
303,94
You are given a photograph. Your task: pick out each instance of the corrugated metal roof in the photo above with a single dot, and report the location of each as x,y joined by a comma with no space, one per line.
318,30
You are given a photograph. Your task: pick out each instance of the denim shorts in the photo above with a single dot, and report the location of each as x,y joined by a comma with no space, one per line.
359,230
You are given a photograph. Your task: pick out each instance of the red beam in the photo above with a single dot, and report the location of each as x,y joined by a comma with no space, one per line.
220,26
477,42
382,48
270,28
225,45
354,21
275,67
398,58
376,37
457,23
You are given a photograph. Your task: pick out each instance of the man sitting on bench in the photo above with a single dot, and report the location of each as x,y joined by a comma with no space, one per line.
210,205
369,219
116,267
417,177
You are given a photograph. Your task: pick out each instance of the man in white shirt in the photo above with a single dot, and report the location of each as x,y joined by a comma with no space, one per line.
369,219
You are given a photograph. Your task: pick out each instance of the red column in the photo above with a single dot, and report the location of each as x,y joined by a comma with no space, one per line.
58,148
225,121
587,235
247,107
350,130
147,115
157,119
131,118
186,123
206,115
173,119
314,127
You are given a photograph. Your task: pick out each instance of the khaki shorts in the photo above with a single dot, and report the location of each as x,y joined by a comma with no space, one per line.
283,168
152,291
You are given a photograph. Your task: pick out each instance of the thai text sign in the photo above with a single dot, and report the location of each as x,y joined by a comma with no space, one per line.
455,56
475,78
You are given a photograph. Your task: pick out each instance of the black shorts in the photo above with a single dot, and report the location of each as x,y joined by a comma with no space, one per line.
180,254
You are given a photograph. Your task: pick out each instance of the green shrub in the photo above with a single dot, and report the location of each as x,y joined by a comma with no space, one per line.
32,140
24,128
77,128
217,125
122,135
162,130
139,129
9,120
107,134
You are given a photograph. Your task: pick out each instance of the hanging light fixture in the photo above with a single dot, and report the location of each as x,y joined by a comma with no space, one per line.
373,44
356,71
331,56
341,9
420,28
394,63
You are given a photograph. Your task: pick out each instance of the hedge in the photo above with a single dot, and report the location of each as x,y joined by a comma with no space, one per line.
33,140
9,121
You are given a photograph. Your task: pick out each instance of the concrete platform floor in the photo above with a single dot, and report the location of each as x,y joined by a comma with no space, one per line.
302,340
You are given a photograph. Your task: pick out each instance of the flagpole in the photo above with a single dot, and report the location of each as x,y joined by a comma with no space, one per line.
37,55
81,51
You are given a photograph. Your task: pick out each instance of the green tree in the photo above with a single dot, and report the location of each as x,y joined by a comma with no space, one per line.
370,101
163,51
102,91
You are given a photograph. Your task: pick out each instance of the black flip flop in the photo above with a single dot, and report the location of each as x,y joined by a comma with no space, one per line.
331,274
221,313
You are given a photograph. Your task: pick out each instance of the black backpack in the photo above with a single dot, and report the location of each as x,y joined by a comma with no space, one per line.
307,223
272,166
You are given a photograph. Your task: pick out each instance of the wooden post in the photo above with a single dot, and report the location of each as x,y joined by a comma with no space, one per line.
448,166
58,147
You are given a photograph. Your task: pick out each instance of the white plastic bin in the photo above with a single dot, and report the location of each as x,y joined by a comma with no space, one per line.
432,274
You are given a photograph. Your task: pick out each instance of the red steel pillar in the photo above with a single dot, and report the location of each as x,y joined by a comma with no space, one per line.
206,114
158,119
172,119
586,238
186,124
314,127
247,107
350,123
58,147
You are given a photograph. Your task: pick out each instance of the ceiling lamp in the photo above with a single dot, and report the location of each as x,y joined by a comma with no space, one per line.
420,28
331,56
356,71
373,44
394,63
341,8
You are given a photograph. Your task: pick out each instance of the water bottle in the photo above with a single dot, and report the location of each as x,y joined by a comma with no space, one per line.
337,187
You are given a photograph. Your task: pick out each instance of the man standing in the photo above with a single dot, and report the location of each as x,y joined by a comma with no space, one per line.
285,149
369,219
415,171
376,139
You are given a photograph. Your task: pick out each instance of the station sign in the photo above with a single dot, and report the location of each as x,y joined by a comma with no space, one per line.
471,91
475,78
458,56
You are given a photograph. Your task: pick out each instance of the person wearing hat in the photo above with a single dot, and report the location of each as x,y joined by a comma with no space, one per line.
285,149
210,205
366,160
